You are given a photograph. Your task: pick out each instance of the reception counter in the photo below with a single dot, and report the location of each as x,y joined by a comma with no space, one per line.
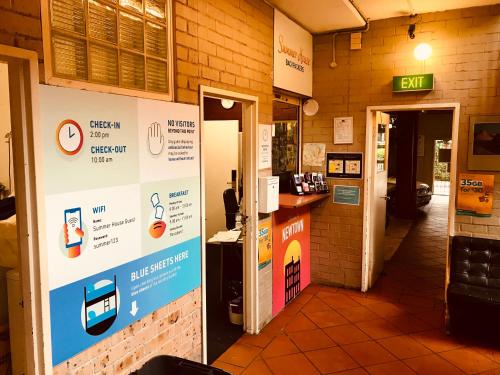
291,246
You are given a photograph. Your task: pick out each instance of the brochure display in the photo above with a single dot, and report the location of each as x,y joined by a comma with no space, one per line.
120,220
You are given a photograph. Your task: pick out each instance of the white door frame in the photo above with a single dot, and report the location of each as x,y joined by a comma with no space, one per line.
250,185
23,93
370,168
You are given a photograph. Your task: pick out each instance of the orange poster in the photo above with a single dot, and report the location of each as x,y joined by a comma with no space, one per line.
291,257
475,194
265,242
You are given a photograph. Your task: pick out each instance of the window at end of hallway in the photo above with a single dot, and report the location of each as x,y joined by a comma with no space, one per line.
118,46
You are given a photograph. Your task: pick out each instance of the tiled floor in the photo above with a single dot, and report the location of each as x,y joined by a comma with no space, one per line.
396,328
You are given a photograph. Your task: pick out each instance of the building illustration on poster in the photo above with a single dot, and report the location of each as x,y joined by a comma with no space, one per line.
291,256
125,241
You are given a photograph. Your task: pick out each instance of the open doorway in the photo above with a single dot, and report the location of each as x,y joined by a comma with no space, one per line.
416,168
20,308
400,170
229,214
223,155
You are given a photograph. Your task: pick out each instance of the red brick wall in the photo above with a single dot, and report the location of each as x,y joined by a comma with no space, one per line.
465,62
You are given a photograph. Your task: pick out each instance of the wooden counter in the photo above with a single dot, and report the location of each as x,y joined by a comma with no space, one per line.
296,201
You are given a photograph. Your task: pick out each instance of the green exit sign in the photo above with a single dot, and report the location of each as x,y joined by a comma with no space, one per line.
415,82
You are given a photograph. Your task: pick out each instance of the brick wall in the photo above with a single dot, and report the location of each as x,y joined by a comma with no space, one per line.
222,44
465,62
225,44
174,329
20,24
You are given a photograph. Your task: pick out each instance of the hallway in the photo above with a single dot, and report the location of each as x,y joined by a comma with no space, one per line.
396,328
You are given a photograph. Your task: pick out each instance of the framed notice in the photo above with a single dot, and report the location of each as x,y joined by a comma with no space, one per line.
265,146
484,143
344,165
475,194
342,130
343,194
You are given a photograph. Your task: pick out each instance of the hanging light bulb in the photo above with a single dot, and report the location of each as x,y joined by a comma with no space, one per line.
422,52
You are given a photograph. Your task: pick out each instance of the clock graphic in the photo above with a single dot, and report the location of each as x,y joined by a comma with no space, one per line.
69,137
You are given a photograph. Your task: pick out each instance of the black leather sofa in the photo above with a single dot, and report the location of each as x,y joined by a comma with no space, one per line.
473,294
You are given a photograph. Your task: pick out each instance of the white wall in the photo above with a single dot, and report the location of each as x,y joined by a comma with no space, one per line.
5,127
221,156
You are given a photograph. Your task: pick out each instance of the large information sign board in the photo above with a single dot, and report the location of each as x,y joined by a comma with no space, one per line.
121,181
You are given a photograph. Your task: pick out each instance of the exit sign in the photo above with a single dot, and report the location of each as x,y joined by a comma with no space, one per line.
415,82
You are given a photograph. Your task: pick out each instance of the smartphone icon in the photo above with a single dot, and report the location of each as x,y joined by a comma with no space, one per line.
73,219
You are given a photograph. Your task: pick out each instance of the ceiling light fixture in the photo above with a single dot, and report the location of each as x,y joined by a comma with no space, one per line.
227,103
422,51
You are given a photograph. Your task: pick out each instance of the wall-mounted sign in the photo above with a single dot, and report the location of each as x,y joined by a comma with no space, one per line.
265,146
415,82
475,194
265,242
344,165
121,209
293,56
342,130
343,194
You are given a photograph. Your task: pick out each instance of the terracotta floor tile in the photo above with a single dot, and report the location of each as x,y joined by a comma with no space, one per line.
379,329
293,364
387,309
281,345
313,288
257,367
346,334
300,323
292,309
311,340
391,368
469,360
408,323
331,360
303,298
437,340
327,318
278,324
315,304
240,355
358,314
233,370
432,365
368,353
339,301
358,371
404,347
261,340
434,318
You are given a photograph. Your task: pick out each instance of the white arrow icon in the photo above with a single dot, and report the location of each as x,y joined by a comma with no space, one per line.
134,309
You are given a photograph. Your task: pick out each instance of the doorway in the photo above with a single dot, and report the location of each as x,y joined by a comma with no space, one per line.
229,218
22,316
407,195
414,163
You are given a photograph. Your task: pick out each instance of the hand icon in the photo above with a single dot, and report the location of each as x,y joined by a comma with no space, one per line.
73,251
155,139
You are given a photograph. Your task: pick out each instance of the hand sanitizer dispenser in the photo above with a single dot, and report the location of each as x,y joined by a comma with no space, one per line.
269,194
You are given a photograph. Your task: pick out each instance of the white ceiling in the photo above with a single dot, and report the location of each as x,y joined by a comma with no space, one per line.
320,16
